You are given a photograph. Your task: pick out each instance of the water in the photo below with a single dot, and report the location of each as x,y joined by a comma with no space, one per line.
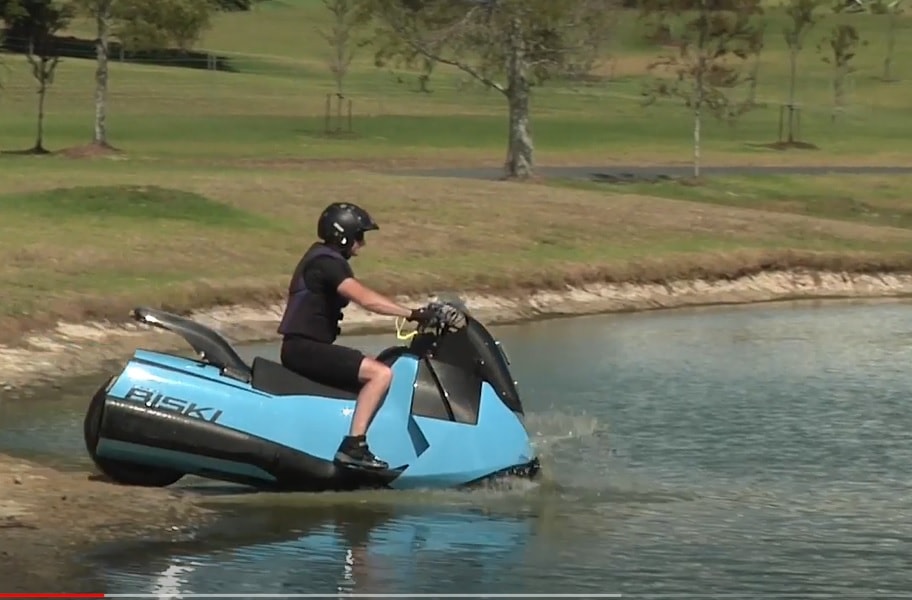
758,451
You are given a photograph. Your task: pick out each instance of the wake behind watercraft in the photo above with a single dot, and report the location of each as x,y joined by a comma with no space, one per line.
452,416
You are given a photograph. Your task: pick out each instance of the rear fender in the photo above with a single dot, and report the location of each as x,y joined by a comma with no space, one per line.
162,388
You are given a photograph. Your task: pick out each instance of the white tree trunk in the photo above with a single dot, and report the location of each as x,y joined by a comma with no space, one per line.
698,115
519,162
520,148
696,153
102,24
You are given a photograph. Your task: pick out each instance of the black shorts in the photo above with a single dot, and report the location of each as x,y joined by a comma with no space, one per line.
330,364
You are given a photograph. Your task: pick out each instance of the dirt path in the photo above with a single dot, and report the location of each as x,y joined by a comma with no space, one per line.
48,516
623,172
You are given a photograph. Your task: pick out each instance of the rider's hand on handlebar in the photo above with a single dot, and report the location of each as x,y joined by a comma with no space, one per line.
451,316
443,314
423,315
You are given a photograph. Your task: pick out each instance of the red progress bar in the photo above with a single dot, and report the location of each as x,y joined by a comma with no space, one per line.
51,595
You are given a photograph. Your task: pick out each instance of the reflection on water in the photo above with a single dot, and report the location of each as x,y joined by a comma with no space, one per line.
326,550
762,451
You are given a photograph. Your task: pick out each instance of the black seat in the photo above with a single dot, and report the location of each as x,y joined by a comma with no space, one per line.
271,377
209,344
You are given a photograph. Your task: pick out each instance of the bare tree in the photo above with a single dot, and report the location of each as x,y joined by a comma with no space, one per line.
340,38
36,23
801,20
508,45
46,18
138,23
715,44
840,47
756,50
892,9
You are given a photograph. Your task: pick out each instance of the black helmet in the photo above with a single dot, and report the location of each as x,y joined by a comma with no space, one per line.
342,223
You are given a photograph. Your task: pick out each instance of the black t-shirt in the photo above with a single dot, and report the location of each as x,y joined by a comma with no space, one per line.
325,274
319,312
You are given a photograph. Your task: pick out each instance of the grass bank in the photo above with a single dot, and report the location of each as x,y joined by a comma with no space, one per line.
109,240
871,199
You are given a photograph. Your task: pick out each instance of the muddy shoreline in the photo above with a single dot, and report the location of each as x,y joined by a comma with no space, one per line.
48,518
74,349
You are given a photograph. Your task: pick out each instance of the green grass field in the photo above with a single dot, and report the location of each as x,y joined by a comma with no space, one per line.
274,105
223,173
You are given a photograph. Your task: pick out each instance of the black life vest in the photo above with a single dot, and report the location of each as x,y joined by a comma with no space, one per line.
309,313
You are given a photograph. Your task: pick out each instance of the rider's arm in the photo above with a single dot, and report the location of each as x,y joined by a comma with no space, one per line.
367,298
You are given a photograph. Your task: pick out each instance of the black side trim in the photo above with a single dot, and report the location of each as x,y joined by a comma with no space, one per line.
389,355
294,470
427,400
474,350
273,378
213,348
446,392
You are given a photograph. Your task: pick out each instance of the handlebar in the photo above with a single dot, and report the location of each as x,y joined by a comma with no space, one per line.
434,326
437,325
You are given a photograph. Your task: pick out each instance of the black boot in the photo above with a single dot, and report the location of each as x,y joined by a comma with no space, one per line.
353,451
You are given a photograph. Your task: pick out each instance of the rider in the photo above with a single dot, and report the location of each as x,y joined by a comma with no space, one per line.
322,285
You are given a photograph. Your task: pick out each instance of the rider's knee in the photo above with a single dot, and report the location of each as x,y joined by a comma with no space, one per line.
374,370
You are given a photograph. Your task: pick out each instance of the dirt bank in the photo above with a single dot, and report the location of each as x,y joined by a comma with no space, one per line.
47,516
75,349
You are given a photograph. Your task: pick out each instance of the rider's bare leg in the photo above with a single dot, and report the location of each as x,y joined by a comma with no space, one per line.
376,378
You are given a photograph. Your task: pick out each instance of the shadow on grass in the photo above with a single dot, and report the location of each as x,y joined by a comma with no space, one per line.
73,47
784,145
329,134
90,150
34,151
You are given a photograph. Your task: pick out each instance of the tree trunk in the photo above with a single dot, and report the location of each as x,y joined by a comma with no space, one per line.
793,76
752,86
519,154
39,137
102,24
838,90
891,47
519,162
698,114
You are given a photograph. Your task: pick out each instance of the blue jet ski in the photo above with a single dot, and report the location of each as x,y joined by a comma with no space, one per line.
452,416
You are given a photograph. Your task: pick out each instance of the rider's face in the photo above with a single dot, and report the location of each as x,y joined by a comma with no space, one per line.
359,243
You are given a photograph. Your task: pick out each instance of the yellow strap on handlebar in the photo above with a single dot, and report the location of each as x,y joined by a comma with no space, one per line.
400,323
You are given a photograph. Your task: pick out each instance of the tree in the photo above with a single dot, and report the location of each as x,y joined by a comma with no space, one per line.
392,51
2,62
508,45
144,25
892,9
235,5
801,20
841,45
340,38
43,19
138,24
102,11
756,50
715,42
